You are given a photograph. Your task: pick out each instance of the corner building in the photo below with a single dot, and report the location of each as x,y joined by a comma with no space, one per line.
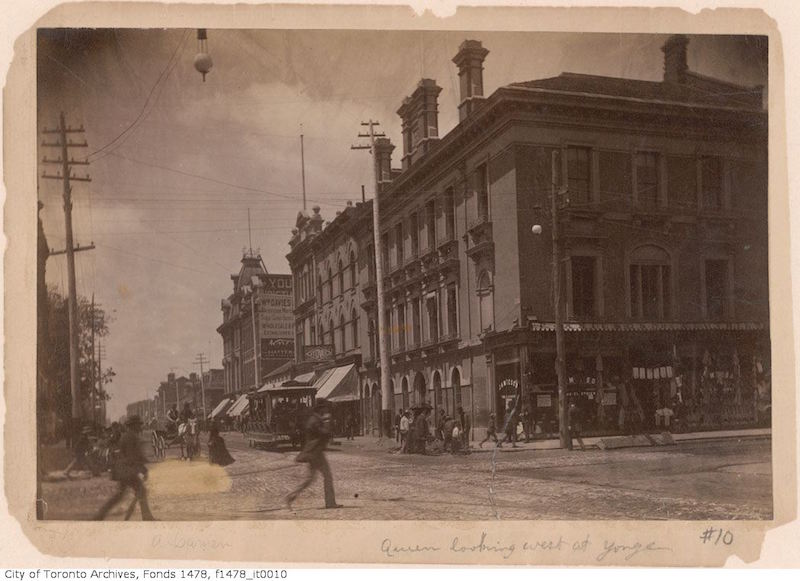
662,206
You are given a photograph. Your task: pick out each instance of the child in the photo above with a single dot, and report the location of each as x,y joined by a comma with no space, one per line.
217,451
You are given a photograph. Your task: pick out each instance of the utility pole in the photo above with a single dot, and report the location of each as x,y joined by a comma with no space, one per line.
94,370
303,168
386,397
561,364
66,176
201,360
100,384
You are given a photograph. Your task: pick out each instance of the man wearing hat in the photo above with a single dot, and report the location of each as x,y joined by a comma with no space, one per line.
80,449
318,434
129,470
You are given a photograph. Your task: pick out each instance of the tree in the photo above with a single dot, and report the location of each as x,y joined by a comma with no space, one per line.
54,395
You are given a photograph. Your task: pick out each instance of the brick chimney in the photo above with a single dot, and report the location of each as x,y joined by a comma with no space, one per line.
420,116
675,62
383,152
469,61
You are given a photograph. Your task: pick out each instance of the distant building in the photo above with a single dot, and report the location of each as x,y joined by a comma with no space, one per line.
214,382
262,341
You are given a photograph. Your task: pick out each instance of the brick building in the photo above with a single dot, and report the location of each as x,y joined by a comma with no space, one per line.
257,325
662,206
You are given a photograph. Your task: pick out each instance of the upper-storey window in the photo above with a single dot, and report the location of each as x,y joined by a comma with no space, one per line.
711,180
482,190
647,179
579,174
430,223
399,243
650,284
450,214
414,231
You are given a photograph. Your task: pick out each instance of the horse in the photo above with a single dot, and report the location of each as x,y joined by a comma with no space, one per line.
189,438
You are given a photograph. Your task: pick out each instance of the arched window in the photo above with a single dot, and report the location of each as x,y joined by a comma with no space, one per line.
341,277
342,337
371,337
353,272
354,327
650,283
333,336
330,283
485,291
455,381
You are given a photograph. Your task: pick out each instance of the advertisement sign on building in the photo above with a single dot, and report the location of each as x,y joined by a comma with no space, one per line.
275,317
277,348
317,352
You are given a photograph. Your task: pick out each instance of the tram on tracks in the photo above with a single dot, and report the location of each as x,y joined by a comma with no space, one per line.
279,414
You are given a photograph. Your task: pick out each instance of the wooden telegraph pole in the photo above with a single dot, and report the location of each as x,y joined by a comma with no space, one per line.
201,360
64,144
386,397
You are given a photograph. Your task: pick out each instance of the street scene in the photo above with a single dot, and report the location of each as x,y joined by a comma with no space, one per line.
402,275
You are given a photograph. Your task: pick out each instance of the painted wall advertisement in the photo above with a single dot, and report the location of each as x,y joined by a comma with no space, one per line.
275,317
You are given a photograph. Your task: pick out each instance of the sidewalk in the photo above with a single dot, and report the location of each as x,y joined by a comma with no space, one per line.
389,444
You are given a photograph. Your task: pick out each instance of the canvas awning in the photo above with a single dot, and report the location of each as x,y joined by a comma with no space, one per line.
237,408
338,384
221,407
304,379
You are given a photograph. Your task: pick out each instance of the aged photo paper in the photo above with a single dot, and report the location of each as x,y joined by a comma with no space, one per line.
312,284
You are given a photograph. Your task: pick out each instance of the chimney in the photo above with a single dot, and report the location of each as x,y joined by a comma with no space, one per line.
383,152
469,61
675,64
420,116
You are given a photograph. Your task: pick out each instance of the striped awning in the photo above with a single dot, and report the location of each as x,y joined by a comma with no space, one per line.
338,384
237,408
221,407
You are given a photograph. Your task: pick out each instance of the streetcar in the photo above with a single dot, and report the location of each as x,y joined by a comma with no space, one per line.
279,414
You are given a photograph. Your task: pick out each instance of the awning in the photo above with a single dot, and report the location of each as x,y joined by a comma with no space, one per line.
237,408
338,384
304,379
221,407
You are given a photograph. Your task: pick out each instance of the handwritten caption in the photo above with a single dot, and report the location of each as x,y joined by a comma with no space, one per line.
600,550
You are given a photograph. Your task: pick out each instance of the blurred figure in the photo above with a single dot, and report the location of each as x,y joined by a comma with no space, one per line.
129,471
491,432
217,450
80,449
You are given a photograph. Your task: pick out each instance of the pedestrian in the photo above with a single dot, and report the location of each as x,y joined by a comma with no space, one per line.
80,449
405,425
575,425
491,432
511,425
456,438
348,426
447,431
129,471
317,436
217,451
397,417
173,417
421,431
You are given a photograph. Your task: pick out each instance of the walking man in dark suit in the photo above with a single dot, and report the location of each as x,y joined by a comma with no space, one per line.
318,434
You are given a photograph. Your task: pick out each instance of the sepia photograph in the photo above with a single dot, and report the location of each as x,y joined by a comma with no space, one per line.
402,275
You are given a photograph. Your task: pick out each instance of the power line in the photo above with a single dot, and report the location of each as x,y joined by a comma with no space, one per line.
166,71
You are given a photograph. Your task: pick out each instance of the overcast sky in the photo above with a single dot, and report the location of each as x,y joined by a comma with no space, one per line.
176,162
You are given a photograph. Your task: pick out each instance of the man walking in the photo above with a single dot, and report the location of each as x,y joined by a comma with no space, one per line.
129,471
491,432
397,419
405,425
318,434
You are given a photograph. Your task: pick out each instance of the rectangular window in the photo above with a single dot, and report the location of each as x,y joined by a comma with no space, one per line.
716,288
399,242
647,179
482,191
450,214
579,174
371,262
650,291
414,235
385,251
711,178
433,318
417,322
430,223
583,287
452,310
401,326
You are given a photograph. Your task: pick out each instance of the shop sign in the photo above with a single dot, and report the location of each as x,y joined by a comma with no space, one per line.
277,348
609,398
508,386
317,352
544,400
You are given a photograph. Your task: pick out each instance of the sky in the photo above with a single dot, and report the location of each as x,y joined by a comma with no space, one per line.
176,163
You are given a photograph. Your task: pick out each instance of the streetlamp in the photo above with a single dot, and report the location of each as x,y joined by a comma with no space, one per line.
561,365
202,61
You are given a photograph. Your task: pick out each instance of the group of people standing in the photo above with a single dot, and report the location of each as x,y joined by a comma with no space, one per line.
413,430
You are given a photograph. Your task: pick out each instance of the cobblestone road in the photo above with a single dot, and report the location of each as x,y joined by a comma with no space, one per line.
701,480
